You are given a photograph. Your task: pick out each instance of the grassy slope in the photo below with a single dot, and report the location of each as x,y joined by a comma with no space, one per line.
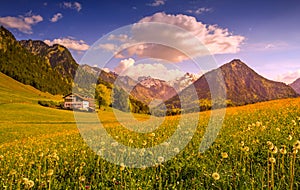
12,91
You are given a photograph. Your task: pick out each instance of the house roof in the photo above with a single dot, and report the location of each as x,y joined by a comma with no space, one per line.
75,94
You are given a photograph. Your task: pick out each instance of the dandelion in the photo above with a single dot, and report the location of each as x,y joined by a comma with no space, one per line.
283,150
1,157
82,178
274,150
269,143
30,184
277,129
50,172
160,159
216,176
152,134
130,141
297,145
122,166
25,180
83,164
272,160
144,143
242,143
295,151
224,155
176,150
246,149
290,137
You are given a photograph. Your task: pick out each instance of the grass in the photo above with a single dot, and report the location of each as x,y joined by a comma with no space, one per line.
41,148
12,91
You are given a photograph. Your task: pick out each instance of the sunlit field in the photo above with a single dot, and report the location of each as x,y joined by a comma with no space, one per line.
257,148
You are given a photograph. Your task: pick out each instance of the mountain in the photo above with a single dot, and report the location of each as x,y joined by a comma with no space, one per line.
145,89
184,81
296,85
57,56
241,84
32,67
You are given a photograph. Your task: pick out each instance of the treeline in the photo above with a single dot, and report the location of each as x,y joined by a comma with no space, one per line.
118,98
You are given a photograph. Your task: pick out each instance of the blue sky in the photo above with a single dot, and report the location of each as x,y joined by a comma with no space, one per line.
270,29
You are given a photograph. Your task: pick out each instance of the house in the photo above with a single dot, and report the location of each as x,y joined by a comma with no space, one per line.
76,101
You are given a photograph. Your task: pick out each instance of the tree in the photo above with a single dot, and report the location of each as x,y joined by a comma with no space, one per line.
120,99
102,95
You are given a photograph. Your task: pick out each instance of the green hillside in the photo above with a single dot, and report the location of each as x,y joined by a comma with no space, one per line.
12,91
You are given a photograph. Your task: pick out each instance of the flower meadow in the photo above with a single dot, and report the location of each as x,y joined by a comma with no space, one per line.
257,147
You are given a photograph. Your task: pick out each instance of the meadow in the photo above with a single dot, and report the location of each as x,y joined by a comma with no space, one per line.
41,148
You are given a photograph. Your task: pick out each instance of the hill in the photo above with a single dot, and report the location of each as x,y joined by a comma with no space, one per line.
32,68
296,85
12,91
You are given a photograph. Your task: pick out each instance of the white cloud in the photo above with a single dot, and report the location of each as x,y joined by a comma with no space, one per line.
289,77
21,23
157,3
70,43
200,10
124,65
108,47
217,40
121,37
129,68
56,17
69,5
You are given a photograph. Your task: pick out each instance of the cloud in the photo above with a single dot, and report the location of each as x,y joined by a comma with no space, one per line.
22,23
108,47
56,17
157,3
129,68
69,5
121,37
214,38
200,10
124,65
266,46
70,43
289,77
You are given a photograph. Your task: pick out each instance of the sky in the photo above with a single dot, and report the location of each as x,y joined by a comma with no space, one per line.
263,34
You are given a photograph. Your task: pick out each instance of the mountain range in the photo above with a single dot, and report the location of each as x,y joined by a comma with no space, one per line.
52,69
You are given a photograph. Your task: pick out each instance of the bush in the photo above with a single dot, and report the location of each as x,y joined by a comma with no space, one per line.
51,104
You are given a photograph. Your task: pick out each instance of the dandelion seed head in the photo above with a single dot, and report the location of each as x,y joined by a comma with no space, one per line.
160,159
176,150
